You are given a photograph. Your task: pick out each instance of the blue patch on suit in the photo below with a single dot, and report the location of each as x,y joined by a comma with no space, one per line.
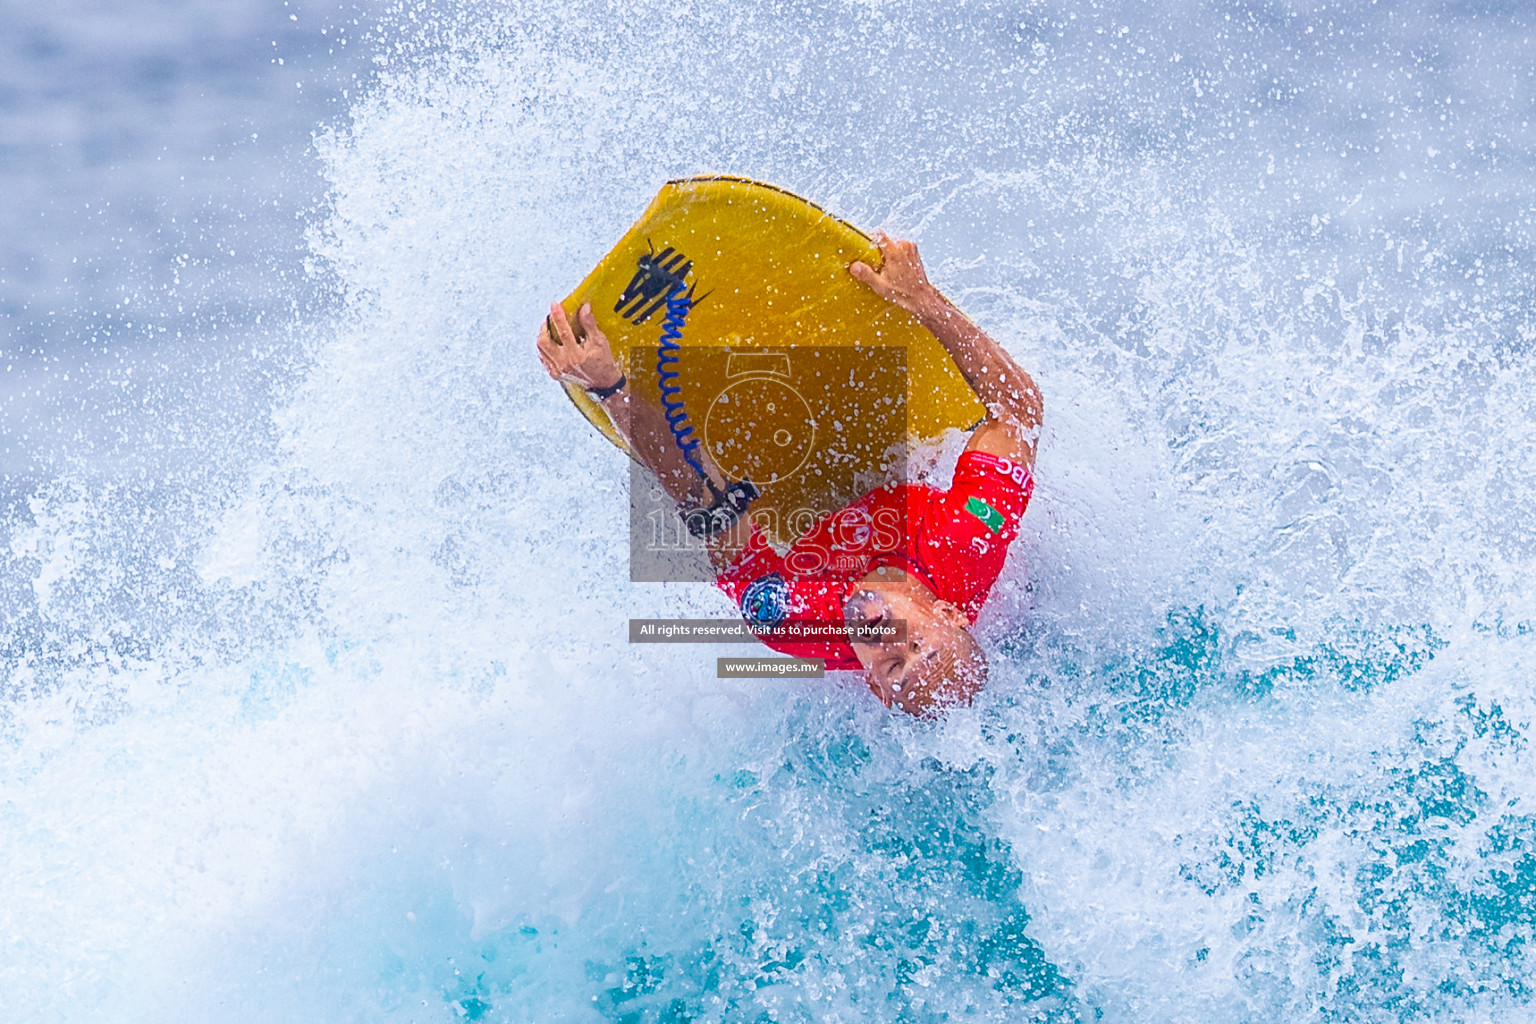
765,602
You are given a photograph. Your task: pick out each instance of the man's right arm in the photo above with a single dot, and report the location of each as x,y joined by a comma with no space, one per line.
580,353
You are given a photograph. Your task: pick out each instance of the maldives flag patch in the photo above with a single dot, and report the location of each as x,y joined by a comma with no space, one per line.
990,517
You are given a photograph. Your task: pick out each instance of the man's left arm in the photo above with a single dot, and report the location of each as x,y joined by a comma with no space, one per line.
1013,401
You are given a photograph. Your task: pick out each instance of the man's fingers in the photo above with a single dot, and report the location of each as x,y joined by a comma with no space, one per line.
549,354
563,333
874,280
899,248
549,367
546,347
588,321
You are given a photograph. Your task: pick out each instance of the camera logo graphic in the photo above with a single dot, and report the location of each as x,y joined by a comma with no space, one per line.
759,427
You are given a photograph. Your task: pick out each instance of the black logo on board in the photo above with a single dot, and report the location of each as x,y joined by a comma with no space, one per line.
657,276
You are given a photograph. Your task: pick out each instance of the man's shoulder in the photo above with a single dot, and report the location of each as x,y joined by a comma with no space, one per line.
978,466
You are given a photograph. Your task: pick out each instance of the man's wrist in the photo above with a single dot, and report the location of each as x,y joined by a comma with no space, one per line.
934,310
616,386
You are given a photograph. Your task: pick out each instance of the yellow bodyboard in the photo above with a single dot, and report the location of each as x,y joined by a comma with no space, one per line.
789,371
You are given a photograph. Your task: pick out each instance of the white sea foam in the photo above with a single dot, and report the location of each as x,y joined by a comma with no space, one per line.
356,736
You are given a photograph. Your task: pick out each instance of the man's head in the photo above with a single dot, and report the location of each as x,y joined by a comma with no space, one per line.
933,663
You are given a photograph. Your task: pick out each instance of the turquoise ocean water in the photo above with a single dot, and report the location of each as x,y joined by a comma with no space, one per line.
315,703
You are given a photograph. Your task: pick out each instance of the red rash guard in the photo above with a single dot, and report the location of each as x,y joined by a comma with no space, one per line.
954,541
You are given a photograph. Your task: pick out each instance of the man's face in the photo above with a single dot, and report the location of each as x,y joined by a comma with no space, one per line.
936,663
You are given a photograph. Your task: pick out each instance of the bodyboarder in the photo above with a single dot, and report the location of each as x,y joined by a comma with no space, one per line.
932,576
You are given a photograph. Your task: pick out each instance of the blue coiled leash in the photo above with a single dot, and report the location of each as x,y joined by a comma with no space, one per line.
679,302
730,503
659,279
